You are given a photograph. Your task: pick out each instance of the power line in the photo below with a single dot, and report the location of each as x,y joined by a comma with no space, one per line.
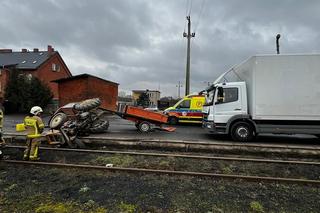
190,8
200,14
187,7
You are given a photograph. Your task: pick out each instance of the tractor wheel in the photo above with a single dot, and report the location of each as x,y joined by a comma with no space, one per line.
144,126
242,131
57,120
100,127
172,120
87,105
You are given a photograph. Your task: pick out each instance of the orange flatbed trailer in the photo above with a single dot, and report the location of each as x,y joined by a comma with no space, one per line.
144,119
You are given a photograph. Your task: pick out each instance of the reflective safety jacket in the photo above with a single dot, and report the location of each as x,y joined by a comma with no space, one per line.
1,119
34,126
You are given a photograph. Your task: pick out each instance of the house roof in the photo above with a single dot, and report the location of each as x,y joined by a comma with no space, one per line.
81,76
141,91
24,60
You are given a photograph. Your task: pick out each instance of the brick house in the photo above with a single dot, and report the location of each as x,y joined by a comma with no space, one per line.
46,65
85,86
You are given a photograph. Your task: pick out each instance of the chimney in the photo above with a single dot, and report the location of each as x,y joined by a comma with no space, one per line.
35,50
50,49
24,50
5,50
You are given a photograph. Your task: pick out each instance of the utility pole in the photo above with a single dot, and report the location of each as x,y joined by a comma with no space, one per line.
189,36
179,86
277,43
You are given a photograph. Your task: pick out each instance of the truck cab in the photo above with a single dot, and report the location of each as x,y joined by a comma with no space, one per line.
187,110
226,103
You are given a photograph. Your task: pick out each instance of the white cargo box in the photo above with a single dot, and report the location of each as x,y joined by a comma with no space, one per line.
282,87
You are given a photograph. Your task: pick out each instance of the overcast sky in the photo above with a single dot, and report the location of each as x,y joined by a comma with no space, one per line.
139,43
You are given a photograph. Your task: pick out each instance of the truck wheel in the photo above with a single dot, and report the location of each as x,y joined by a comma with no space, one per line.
57,120
144,126
87,105
172,120
242,131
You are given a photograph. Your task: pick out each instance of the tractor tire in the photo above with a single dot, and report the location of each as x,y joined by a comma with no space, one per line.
57,120
87,105
173,120
100,127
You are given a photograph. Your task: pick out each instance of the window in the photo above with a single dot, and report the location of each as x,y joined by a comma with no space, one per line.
230,95
185,104
55,67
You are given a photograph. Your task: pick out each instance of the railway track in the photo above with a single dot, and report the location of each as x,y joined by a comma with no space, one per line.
168,172
200,157
193,146
174,172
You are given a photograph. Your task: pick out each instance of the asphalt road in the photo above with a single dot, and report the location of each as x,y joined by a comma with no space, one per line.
121,128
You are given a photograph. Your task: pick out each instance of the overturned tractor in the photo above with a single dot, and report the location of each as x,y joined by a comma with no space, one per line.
78,119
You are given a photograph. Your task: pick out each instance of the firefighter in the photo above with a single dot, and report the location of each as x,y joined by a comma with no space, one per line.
34,126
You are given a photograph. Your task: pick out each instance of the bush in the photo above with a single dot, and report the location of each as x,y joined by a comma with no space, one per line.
25,91
143,100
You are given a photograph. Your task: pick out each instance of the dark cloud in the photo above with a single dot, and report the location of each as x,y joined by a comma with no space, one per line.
139,43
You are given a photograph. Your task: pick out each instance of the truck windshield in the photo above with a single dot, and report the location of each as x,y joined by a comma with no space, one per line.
210,97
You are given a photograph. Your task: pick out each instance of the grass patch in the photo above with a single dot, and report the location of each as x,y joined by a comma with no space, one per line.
116,160
256,207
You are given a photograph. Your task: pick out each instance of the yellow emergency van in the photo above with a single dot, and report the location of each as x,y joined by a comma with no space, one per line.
187,110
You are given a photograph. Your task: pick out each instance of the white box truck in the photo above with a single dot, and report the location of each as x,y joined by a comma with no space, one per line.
266,94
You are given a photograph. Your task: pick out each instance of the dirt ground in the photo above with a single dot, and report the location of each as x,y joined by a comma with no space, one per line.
46,189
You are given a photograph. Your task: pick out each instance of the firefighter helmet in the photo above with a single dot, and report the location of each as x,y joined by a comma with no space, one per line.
36,110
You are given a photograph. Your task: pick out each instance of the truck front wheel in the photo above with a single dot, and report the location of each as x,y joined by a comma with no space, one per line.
242,131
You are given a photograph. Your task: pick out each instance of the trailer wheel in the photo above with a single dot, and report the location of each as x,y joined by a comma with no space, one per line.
57,120
242,131
172,120
87,105
144,126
